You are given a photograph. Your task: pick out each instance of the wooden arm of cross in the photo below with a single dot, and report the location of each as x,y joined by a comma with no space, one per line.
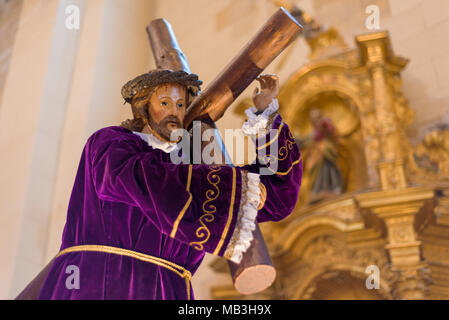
256,271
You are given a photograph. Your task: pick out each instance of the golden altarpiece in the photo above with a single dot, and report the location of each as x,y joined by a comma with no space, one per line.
394,213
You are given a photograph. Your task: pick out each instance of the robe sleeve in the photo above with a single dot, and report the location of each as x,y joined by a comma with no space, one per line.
196,204
278,162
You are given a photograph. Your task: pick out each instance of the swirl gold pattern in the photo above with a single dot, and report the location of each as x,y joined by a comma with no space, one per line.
279,173
203,232
291,167
274,139
282,152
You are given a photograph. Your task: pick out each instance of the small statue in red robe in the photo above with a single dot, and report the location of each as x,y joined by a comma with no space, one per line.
322,158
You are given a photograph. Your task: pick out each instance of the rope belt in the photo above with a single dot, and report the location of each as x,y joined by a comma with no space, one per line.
180,271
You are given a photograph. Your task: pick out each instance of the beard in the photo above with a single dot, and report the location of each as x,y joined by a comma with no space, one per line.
161,127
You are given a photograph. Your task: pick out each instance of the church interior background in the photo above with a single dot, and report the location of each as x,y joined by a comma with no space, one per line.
385,89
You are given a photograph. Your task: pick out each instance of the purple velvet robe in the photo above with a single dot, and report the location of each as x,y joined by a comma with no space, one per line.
129,195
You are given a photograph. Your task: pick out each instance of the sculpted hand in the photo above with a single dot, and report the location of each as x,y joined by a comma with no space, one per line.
269,84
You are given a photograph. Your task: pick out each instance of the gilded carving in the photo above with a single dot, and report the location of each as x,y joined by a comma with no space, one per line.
433,152
395,212
203,232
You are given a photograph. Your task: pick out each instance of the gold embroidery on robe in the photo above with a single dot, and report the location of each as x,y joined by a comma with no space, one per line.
211,194
231,209
183,211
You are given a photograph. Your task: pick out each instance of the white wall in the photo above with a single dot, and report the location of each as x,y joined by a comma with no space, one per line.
22,101
61,86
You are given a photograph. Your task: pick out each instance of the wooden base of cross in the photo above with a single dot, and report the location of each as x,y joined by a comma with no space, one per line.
255,272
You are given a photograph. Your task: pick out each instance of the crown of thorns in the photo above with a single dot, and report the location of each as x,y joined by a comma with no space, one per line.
157,77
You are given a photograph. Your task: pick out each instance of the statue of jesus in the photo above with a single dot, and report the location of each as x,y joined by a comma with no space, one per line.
138,225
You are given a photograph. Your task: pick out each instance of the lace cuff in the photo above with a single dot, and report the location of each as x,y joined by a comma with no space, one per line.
246,220
259,124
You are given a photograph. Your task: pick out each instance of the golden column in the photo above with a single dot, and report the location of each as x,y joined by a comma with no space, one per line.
397,205
378,57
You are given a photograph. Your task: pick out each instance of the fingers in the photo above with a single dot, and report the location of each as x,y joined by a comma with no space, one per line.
276,84
262,81
269,81
269,84
255,92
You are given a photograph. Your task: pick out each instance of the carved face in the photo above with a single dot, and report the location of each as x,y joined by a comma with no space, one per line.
167,108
